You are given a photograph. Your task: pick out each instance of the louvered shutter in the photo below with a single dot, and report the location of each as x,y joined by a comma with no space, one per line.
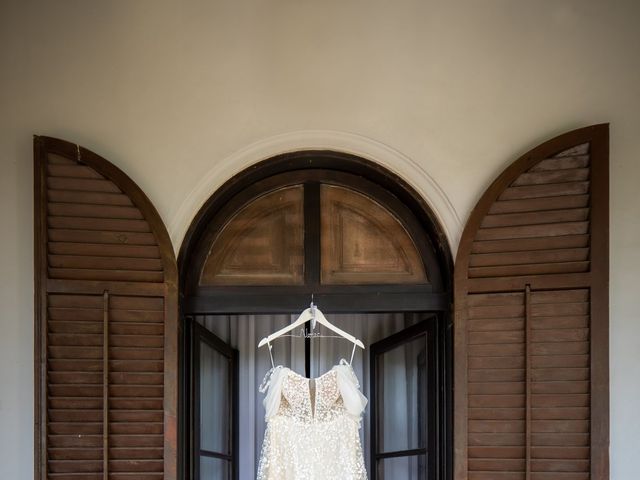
106,323
531,319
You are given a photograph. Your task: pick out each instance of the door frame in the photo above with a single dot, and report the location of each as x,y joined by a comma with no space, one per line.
382,298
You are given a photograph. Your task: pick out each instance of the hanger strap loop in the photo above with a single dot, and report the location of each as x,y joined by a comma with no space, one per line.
270,354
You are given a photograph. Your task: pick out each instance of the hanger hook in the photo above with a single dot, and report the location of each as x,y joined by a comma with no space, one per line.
313,314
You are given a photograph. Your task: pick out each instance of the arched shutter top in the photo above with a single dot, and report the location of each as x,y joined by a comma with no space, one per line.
531,318
544,202
100,204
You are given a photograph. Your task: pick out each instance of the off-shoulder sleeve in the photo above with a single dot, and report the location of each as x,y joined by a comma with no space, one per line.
354,401
272,385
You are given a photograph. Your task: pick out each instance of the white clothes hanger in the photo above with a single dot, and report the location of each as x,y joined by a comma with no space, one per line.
315,315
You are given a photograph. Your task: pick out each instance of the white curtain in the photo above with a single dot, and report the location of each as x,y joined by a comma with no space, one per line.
243,332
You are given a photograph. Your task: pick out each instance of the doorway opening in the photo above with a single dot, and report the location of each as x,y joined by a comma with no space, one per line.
365,247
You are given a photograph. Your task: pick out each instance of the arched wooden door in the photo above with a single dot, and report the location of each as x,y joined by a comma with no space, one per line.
531,318
357,240
106,323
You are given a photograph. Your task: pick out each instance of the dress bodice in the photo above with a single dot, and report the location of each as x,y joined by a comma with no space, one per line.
310,400
312,426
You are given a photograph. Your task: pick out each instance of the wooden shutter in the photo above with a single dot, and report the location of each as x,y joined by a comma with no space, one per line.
531,319
105,323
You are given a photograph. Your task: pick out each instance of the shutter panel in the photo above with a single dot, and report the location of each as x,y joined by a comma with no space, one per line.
106,323
531,319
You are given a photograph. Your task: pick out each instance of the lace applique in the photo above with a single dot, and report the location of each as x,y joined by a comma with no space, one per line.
266,381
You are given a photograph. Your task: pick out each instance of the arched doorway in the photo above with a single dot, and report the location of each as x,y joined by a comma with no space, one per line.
365,247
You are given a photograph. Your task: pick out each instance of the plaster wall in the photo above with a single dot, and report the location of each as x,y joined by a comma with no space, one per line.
182,94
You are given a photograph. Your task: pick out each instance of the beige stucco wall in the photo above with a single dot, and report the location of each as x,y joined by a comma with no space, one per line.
180,94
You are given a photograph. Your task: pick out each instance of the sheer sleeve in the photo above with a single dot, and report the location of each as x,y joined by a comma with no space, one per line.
354,401
272,385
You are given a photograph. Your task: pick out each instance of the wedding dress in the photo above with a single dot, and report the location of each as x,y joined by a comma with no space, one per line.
313,426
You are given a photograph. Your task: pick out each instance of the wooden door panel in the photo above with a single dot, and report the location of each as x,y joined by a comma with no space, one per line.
363,243
263,244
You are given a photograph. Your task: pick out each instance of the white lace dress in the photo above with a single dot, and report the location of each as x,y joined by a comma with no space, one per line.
312,426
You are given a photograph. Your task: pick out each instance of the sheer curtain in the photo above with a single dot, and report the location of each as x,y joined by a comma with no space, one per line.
243,332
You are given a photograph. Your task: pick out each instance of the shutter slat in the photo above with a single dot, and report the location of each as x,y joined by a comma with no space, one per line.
137,440
578,453
571,400
496,465
496,337
106,275
479,413
98,224
496,401
560,162
93,211
560,386
496,362
96,236
136,416
560,414
135,453
81,185
77,454
552,175
116,302
127,378
124,403
73,404
491,324
71,170
538,230
536,205
528,269
56,159
136,465
133,353
560,361
535,218
504,284
124,251
137,476
496,452
530,244
496,476
73,466
75,327
550,190
89,198
80,326
136,366
88,415
496,388
529,257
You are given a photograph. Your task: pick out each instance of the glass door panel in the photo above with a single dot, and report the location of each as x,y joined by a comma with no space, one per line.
403,391
214,383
